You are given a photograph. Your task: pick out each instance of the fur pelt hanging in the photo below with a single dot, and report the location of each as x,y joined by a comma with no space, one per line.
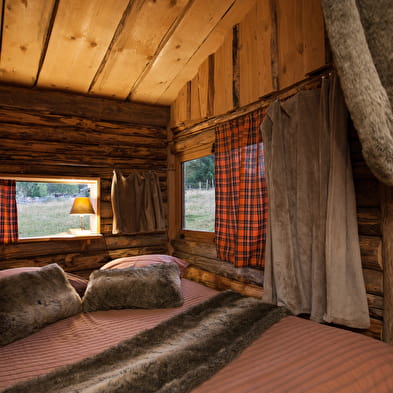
360,34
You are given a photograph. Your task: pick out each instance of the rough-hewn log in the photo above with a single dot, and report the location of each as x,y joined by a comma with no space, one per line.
79,136
369,221
93,108
221,283
375,329
371,252
214,265
374,281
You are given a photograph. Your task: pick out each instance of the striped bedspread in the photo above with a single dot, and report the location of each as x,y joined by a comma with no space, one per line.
294,355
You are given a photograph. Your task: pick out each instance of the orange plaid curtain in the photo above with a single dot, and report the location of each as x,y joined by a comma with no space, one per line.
241,192
8,212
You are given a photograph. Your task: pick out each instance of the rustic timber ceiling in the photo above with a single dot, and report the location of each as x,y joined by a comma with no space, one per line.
137,50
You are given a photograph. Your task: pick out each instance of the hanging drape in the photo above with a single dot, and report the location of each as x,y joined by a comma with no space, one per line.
241,193
312,254
8,212
136,203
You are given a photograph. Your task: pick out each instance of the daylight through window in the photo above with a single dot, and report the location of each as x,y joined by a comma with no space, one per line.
43,207
199,194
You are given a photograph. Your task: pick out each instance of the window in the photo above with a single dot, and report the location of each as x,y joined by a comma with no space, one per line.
198,194
44,205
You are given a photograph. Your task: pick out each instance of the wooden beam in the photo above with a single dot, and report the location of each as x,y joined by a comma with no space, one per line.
387,251
50,101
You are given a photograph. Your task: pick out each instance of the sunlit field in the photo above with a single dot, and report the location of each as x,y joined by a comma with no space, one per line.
47,218
199,210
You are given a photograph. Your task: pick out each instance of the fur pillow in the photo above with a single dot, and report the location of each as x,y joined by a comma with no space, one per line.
32,299
145,260
154,286
79,283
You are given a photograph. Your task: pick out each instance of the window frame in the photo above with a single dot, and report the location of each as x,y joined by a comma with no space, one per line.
95,199
184,156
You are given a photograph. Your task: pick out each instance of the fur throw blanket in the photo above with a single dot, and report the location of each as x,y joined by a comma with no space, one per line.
360,34
175,356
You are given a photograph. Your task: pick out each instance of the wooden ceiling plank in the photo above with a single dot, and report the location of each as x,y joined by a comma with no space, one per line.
146,25
211,44
81,35
24,34
201,19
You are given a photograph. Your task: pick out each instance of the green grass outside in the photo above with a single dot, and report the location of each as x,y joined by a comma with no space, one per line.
47,218
38,219
199,207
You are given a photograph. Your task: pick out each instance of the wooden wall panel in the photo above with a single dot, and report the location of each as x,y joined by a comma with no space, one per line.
179,107
199,92
255,53
313,35
223,77
68,145
290,41
274,46
300,39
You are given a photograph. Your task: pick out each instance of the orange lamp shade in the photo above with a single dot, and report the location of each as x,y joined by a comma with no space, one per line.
82,205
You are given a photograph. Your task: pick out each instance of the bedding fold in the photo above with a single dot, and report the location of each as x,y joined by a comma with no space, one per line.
175,356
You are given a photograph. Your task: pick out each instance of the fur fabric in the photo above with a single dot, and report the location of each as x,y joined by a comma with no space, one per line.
153,286
175,356
32,299
360,34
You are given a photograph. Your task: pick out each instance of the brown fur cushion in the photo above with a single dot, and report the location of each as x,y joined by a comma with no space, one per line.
154,286
79,283
32,299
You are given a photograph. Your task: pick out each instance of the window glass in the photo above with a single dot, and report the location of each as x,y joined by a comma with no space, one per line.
199,194
44,206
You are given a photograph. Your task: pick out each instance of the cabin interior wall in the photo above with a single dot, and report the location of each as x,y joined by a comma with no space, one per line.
40,138
278,44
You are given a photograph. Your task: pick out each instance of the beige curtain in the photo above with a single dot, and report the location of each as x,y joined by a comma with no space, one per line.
136,203
312,254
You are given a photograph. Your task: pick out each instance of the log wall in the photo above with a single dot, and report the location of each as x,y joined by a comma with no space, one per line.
46,133
275,50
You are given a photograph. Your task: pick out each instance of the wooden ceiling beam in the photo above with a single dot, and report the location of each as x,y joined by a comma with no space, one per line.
94,108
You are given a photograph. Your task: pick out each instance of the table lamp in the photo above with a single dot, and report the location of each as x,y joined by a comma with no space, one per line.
82,206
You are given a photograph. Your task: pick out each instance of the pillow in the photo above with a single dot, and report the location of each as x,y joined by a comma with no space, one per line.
79,283
153,286
29,300
145,260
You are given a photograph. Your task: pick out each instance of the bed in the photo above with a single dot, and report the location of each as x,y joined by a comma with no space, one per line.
291,355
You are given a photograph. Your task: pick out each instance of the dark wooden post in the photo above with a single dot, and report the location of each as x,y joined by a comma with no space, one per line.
387,250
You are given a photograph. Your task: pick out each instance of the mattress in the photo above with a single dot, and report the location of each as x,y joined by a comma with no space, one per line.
84,335
294,355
